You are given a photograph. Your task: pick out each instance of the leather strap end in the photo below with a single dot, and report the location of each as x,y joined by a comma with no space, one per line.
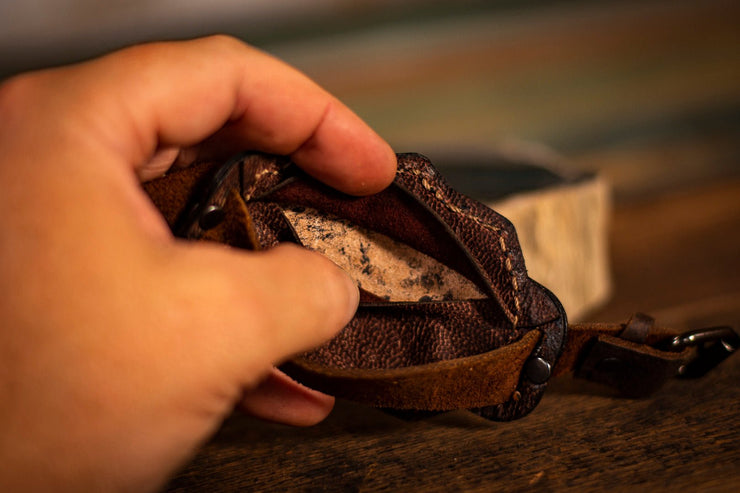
636,370
477,381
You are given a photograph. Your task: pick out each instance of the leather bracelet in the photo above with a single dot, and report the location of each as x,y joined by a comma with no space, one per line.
448,317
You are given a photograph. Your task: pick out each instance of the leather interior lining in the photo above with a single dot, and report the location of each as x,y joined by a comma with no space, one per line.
383,267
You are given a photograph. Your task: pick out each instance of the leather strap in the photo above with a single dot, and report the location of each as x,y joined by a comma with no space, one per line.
492,355
593,351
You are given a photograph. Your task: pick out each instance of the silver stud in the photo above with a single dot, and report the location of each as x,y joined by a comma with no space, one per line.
537,370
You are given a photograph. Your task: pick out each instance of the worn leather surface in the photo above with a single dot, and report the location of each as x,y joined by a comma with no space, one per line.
424,355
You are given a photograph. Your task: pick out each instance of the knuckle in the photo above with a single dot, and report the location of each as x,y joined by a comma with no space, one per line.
225,42
140,55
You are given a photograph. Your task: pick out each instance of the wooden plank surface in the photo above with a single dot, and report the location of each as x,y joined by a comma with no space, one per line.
675,255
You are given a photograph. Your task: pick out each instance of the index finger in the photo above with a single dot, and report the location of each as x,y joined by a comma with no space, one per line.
180,93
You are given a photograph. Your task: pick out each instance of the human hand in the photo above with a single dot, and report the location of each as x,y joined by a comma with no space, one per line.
122,348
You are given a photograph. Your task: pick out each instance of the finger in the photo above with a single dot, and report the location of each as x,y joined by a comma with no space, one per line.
178,94
281,399
270,305
159,163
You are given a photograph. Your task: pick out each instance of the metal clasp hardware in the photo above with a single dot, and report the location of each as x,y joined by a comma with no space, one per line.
713,345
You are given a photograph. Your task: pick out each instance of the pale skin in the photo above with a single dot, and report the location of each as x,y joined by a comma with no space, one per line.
121,348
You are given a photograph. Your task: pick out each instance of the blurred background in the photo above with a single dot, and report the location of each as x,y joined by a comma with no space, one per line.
648,92
643,94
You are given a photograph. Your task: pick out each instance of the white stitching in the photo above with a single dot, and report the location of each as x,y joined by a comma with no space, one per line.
502,242
256,178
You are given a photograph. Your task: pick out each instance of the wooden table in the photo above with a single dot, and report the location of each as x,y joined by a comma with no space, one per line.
675,256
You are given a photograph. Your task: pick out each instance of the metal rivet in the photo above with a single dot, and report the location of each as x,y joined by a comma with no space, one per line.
211,217
537,370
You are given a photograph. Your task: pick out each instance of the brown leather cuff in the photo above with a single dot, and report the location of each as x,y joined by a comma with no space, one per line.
448,317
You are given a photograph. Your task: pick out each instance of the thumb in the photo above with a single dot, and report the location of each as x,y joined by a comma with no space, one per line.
260,308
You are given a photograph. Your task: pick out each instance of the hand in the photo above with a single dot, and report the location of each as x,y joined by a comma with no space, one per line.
121,348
